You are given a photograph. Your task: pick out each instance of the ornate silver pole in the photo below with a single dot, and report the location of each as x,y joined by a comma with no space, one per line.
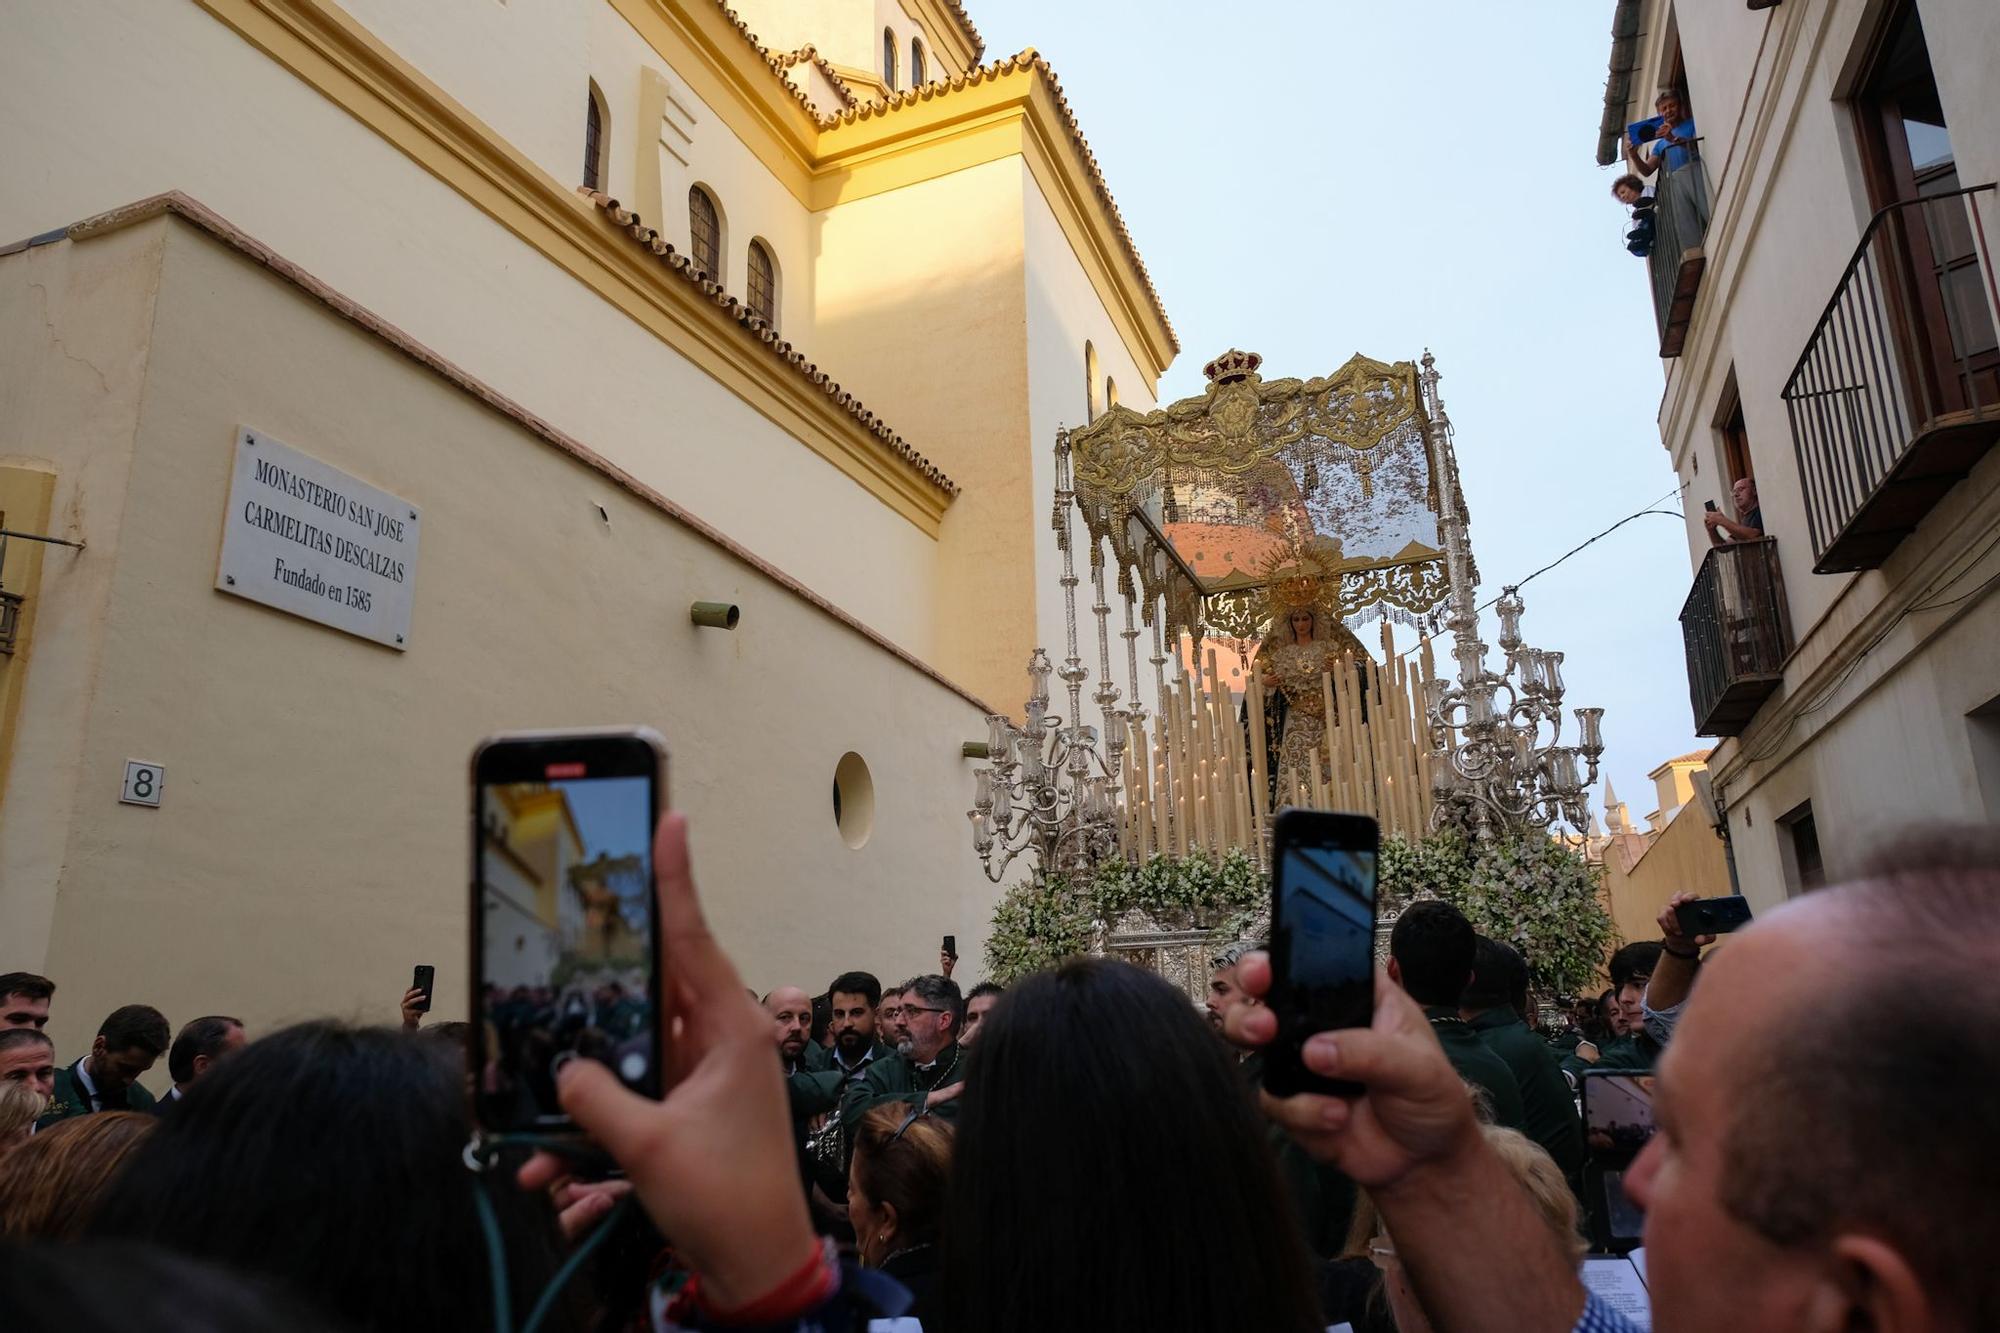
1045,787
1495,767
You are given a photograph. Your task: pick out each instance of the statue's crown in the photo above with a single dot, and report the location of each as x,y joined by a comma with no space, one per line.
1231,366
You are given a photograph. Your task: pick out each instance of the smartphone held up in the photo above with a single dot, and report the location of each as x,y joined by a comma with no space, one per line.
1322,939
565,927
423,980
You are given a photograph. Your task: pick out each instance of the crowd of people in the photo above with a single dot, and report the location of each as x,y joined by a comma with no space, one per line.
1078,1151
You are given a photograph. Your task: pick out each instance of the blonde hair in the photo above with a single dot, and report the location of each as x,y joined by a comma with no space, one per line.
1538,1173
1529,1163
51,1185
20,1106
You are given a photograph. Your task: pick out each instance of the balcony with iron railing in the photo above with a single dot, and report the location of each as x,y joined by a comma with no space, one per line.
1737,633
1677,261
1897,394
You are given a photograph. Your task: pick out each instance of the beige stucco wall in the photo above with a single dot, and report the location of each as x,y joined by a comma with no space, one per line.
1889,742
74,343
113,101
1684,857
930,314
311,844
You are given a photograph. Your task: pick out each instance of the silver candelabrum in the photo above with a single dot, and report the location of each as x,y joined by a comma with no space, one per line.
1499,760
1045,786
1500,733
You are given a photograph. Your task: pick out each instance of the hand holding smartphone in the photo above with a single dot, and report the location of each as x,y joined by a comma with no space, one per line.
566,932
1322,940
1713,916
423,978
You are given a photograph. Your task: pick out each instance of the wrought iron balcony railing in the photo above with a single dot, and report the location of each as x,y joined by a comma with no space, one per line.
1897,393
1737,633
1678,260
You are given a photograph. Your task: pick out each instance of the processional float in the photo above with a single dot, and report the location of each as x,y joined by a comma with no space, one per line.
1249,532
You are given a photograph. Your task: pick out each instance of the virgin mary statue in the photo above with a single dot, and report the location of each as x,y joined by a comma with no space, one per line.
1305,645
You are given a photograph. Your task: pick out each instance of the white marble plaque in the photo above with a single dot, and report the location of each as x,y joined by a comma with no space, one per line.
312,540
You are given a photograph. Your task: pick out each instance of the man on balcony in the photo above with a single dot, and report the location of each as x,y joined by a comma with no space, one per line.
1747,526
1671,133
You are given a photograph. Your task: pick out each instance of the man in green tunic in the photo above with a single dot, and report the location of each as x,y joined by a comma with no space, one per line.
855,999
928,1069
1431,951
1632,1049
128,1044
1493,1005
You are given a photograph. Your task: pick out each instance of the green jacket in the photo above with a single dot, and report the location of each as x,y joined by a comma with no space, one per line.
1322,1196
1546,1102
1478,1065
895,1078
817,1091
814,1059
69,1098
1633,1053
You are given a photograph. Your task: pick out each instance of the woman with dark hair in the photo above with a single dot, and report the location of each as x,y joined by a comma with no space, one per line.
110,1287
895,1197
330,1158
1111,1172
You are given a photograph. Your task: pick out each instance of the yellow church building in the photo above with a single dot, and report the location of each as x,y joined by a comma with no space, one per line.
597,309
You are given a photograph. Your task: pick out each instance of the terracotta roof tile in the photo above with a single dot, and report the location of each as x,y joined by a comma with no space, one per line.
778,63
859,110
1028,59
965,22
809,53
684,268
1691,757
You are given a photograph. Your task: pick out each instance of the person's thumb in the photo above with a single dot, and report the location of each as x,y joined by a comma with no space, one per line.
1388,1063
622,1122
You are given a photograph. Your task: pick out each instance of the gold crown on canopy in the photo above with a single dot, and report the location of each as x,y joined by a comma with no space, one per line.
1231,366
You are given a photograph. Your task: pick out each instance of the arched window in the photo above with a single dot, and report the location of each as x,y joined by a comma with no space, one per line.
596,139
1090,408
705,232
761,284
889,58
917,79
1110,393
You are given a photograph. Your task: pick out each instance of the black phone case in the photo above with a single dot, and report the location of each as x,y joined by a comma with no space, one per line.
1284,1071
1713,916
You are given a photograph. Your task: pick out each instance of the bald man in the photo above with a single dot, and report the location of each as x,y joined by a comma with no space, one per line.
791,1013
1824,1157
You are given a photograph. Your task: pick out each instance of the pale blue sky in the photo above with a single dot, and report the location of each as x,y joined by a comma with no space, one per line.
1309,180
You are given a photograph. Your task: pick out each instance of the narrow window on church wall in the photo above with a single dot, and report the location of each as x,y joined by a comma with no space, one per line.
761,284
705,232
594,140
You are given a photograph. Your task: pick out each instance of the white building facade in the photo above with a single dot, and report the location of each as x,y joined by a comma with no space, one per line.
1827,327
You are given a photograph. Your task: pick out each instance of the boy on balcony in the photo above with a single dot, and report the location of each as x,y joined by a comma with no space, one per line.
1630,190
